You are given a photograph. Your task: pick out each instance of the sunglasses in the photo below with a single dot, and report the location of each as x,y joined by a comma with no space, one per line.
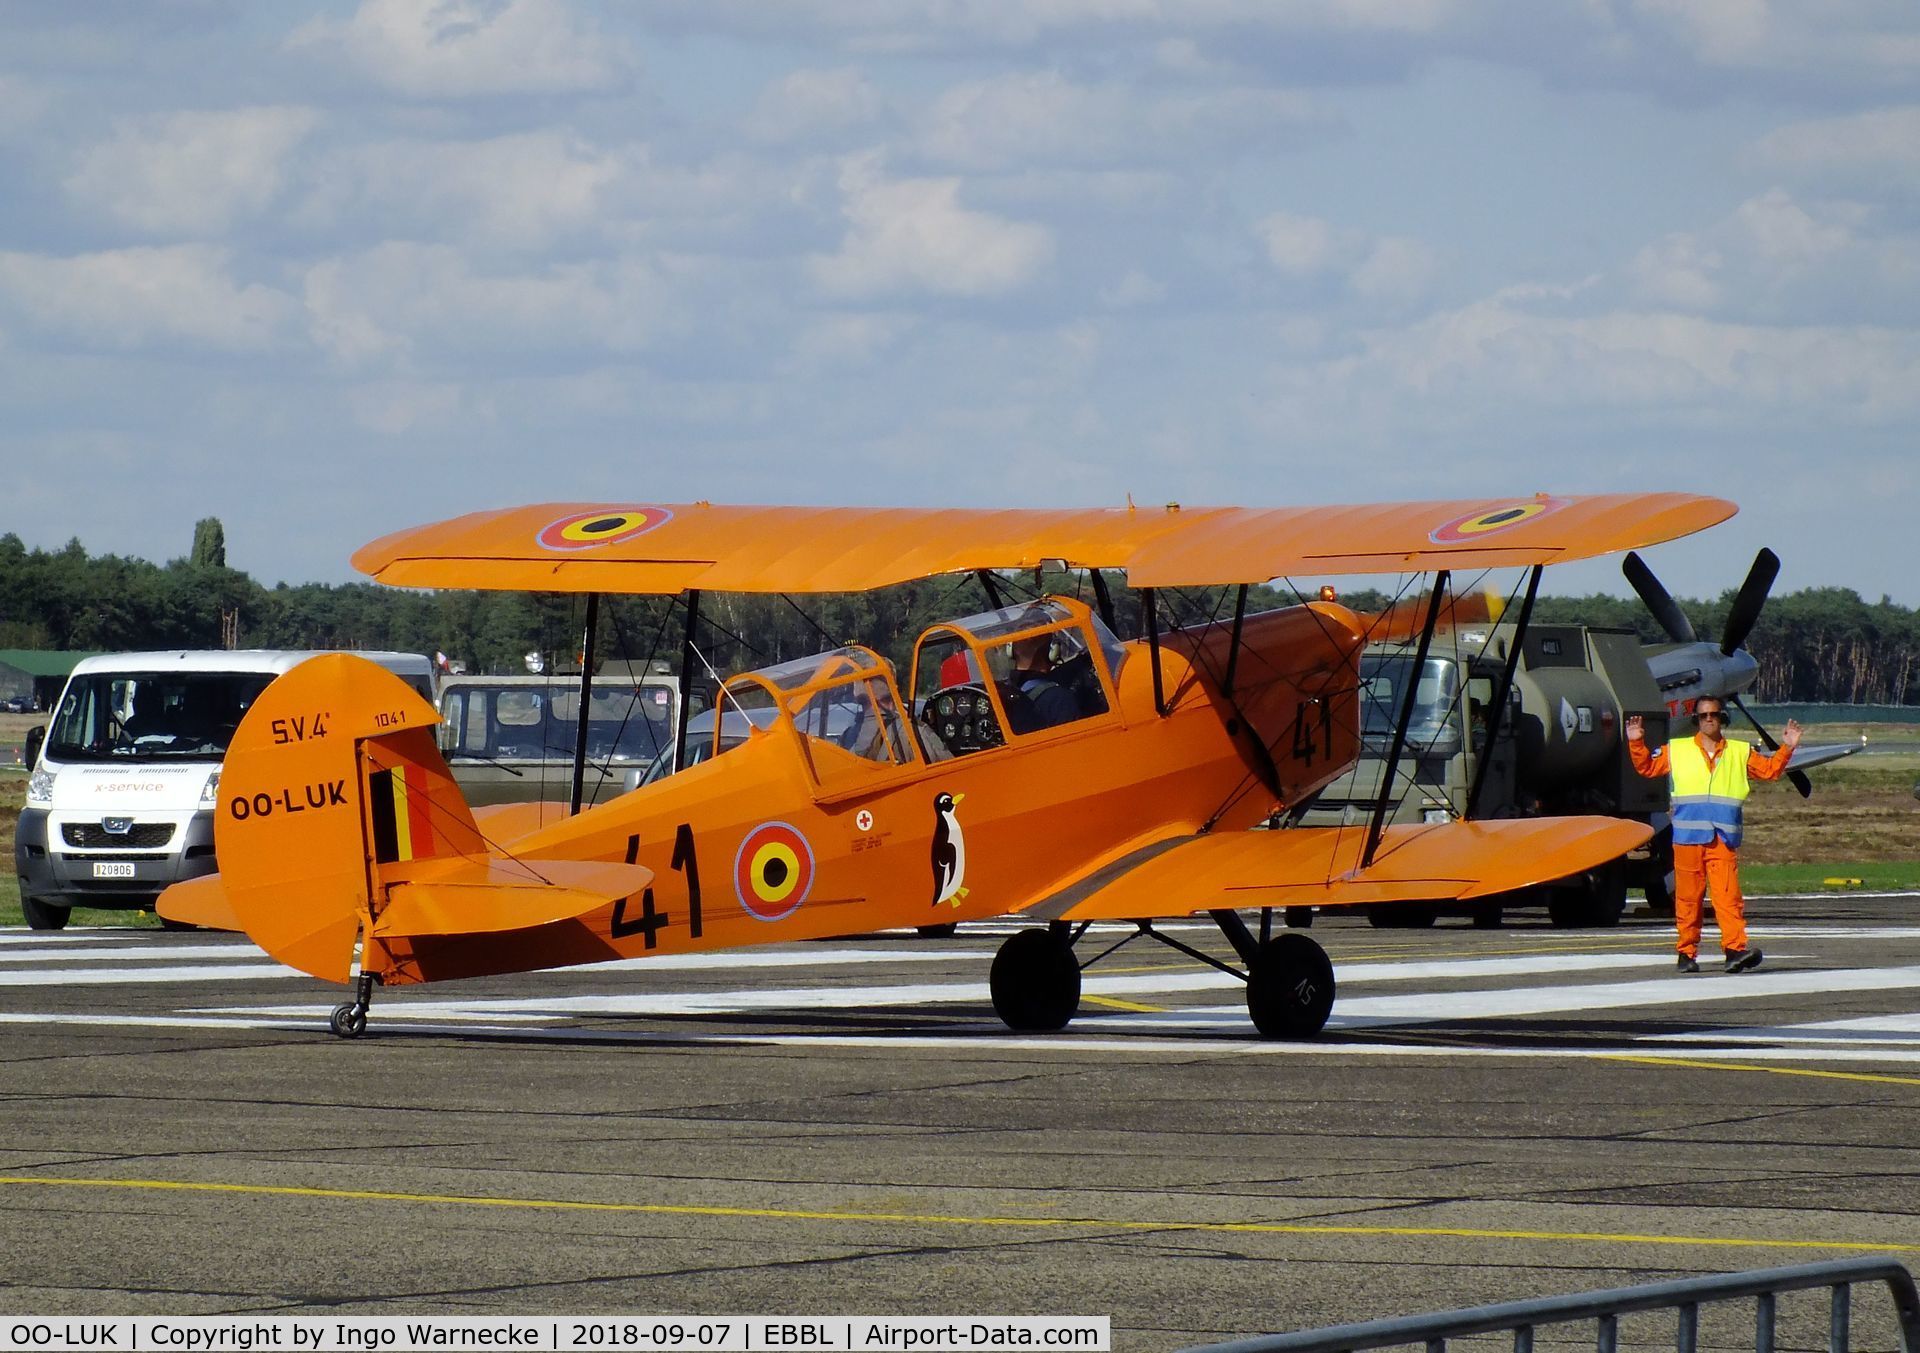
1710,714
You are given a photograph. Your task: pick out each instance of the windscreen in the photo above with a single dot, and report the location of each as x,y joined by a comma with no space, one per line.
151,716
1383,686
510,723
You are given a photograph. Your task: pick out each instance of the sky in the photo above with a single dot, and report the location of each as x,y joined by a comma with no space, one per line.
326,271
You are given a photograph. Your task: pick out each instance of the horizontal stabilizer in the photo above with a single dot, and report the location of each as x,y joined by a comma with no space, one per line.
200,902
1320,866
479,897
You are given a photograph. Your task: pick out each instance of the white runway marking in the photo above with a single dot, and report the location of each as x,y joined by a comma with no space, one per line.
133,953
1212,1022
87,977
837,997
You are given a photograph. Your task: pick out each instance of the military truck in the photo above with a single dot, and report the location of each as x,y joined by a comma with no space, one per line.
1560,748
511,739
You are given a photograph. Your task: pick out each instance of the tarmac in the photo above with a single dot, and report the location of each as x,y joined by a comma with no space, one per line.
843,1128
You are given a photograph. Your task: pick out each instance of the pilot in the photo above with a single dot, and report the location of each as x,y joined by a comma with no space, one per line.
1044,702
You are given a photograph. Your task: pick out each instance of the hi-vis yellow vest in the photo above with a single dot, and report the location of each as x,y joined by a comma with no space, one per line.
1707,799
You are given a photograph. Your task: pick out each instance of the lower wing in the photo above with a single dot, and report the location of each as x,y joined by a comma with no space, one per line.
1320,866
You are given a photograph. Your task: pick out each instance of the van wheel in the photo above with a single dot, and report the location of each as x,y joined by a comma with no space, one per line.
44,915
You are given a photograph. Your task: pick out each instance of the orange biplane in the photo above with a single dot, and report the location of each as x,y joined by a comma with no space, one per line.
1030,763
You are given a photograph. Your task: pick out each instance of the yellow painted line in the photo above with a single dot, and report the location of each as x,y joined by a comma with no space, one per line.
942,1219
1115,1004
1750,1066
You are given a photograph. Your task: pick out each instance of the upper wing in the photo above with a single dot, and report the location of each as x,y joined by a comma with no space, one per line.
659,548
1320,866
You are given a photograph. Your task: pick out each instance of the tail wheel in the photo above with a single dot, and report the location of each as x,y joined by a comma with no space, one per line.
1035,982
348,1020
1290,987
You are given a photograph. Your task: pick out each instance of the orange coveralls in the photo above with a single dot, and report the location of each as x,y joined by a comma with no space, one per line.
1718,864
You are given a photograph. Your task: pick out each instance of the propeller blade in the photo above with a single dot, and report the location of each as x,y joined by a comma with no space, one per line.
1660,602
1753,595
1798,778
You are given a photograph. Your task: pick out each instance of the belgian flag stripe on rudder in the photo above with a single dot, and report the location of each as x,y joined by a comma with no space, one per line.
418,813
386,840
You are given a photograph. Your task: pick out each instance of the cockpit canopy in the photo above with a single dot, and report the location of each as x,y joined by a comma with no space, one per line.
1013,670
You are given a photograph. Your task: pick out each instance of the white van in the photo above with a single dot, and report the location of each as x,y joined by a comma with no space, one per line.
120,802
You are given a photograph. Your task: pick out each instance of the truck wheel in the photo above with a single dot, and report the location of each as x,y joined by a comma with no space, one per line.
43,915
1595,901
1488,916
1402,916
1659,889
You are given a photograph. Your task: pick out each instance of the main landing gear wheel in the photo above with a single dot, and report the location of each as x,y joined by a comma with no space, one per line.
1035,981
1290,987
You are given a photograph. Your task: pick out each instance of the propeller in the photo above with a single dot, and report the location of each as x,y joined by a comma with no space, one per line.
1798,777
1741,618
1660,602
1746,606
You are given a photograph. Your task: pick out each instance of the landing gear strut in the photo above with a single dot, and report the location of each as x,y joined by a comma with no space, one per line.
1290,986
350,1019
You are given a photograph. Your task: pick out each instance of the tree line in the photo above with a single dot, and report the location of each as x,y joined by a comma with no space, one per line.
1822,644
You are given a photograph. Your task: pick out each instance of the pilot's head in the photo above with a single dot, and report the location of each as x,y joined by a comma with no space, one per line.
1032,653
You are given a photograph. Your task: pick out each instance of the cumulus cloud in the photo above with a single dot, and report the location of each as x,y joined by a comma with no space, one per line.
1776,257
191,173
811,105
1042,117
1507,351
469,48
135,298
398,303
1383,268
522,190
913,236
1882,145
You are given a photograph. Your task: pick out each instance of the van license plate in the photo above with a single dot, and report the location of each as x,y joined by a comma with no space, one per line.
113,869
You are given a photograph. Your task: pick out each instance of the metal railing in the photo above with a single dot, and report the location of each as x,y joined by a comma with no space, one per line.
1684,1297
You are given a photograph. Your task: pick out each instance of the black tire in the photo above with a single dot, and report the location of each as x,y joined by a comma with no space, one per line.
1488,916
44,915
1402,916
1659,889
1594,901
937,932
347,1021
1035,982
1299,918
1290,987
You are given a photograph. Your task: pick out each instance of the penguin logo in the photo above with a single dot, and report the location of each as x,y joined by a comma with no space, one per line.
949,851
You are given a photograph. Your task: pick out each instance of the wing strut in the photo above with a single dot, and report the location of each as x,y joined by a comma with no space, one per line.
1150,608
1385,802
1502,693
1233,645
586,696
687,656
1103,598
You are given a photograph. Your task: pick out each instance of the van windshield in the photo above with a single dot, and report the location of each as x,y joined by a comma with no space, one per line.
151,716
